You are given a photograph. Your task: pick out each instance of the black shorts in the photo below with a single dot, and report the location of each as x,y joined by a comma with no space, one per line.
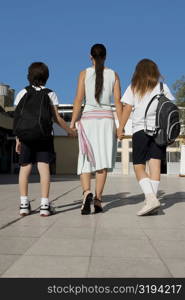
145,148
41,151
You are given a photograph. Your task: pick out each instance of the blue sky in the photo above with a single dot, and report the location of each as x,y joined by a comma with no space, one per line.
60,33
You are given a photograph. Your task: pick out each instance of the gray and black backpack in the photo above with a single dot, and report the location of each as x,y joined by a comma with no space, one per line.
167,121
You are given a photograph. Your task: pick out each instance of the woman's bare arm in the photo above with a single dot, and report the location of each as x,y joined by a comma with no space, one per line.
117,97
80,94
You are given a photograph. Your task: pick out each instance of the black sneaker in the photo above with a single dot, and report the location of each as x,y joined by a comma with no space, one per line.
86,206
46,210
25,209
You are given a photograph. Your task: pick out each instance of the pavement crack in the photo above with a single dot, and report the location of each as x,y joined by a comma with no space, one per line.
158,253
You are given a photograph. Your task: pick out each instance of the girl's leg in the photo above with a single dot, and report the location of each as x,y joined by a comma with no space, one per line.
151,202
101,177
143,179
140,171
155,170
85,179
88,196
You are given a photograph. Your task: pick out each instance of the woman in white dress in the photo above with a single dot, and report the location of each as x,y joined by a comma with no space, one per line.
96,127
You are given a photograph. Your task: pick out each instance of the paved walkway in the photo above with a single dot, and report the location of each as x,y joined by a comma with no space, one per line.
116,243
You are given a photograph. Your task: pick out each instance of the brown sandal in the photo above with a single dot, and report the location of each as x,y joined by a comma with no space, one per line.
97,208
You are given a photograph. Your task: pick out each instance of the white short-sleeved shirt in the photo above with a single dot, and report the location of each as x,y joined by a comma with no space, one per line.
140,105
52,96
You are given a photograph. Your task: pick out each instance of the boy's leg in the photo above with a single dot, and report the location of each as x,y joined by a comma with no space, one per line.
44,173
45,209
23,179
155,170
24,173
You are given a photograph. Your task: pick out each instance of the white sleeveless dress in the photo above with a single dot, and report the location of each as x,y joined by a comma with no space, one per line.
101,133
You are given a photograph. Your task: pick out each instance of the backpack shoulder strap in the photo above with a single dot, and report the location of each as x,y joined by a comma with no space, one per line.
155,97
21,105
161,87
47,91
148,106
29,88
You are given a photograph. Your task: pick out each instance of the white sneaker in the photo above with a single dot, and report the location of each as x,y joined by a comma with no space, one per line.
151,205
46,210
25,209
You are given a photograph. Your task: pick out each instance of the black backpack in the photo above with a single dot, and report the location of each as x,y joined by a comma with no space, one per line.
167,121
33,116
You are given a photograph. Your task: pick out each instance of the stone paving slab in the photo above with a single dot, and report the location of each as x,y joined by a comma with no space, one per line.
48,266
116,243
129,268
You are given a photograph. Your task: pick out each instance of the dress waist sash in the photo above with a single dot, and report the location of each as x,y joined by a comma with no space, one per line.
84,144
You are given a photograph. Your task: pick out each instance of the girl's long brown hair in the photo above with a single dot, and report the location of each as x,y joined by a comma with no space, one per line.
145,77
98,52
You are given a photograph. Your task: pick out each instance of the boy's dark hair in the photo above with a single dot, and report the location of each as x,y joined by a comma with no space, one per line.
38,74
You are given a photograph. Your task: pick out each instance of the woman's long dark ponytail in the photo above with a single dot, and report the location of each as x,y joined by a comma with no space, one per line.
98,52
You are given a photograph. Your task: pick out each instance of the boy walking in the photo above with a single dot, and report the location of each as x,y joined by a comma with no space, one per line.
36,107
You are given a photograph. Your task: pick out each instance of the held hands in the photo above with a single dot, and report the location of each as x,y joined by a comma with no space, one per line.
120,133
72,131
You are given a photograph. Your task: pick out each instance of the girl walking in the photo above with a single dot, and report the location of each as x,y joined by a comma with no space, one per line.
96,128
144,86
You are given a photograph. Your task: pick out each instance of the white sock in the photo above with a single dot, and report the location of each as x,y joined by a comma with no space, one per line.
24,200
44,201
146,186
155,185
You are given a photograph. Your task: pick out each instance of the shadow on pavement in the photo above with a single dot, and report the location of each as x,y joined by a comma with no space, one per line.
171,199
121,199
